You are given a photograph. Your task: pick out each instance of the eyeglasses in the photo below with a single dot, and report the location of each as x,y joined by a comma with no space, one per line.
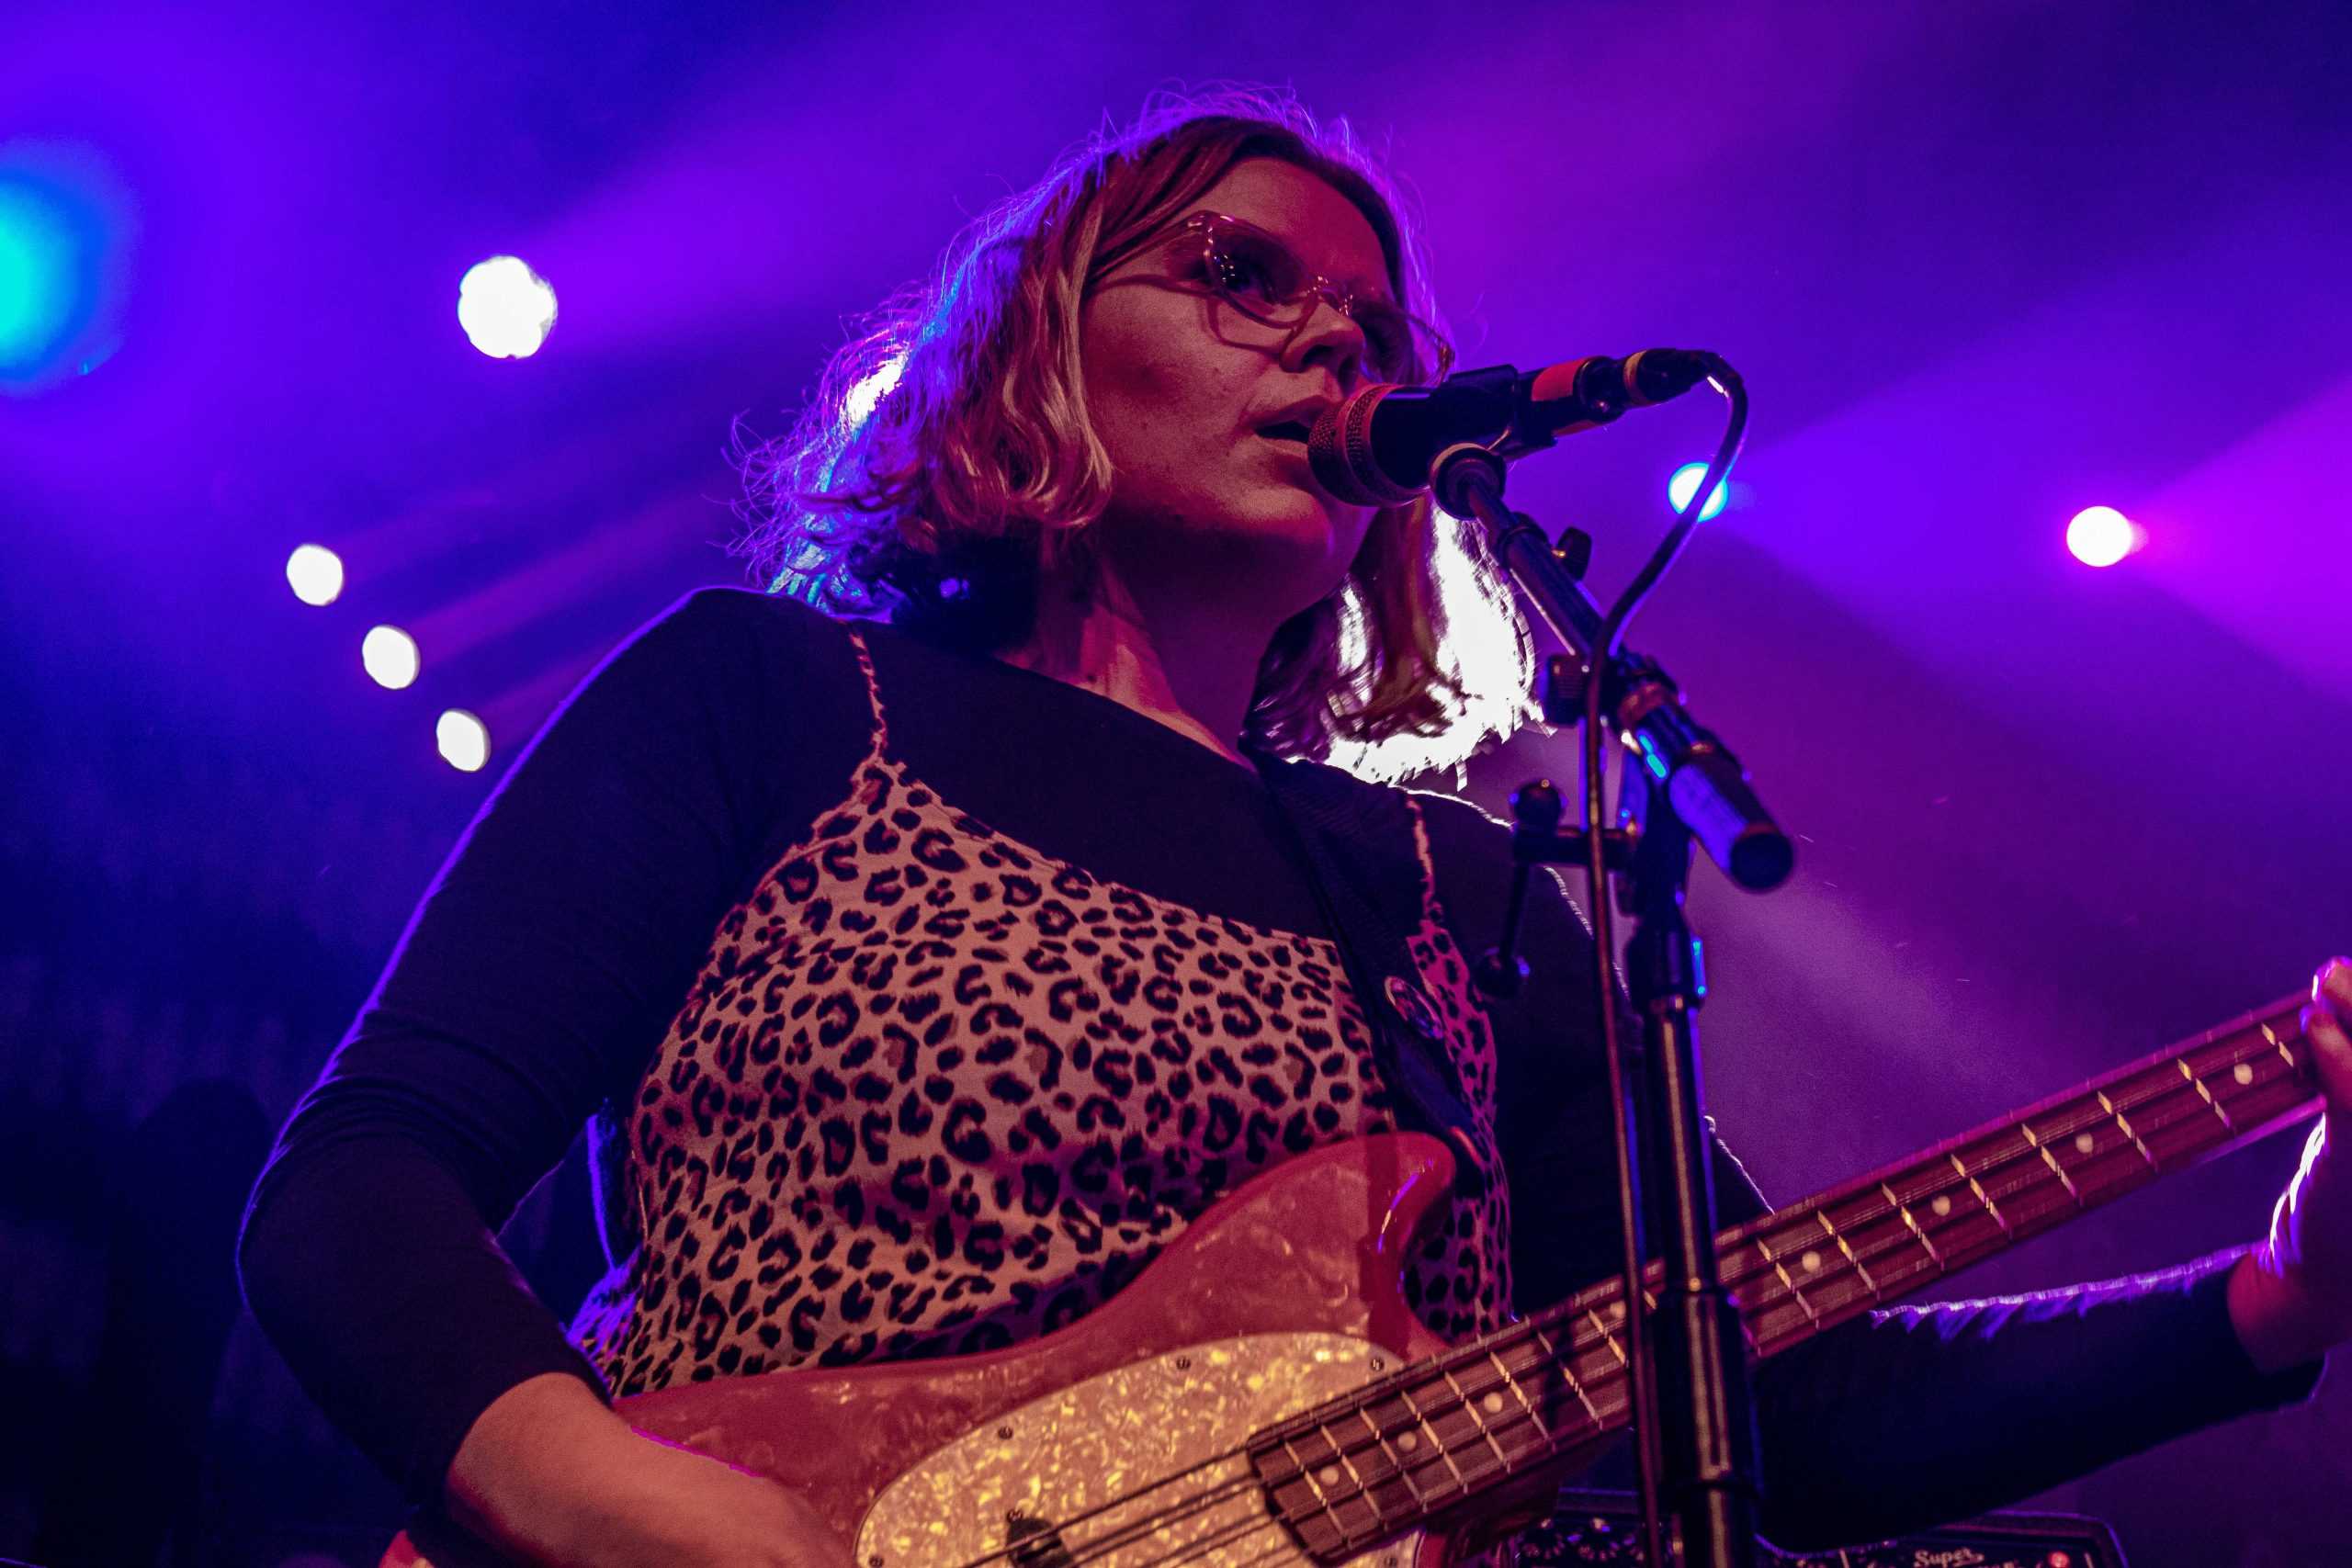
1264,279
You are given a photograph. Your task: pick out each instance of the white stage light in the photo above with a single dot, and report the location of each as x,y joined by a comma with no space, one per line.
388,655
2100,536
463,740
870,391
506,308
315,573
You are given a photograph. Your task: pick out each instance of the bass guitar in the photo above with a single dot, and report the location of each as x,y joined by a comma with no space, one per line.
1263,1397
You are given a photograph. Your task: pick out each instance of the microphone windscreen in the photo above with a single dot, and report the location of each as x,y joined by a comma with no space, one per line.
1340,452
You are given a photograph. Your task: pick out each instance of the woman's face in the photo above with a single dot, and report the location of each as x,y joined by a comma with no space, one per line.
1179,385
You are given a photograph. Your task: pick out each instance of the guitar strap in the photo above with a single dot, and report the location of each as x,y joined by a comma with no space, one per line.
1321,805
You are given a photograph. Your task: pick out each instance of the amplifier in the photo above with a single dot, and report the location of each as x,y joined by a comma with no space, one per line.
1589,1528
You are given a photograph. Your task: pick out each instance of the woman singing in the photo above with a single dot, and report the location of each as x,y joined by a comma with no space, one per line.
924,948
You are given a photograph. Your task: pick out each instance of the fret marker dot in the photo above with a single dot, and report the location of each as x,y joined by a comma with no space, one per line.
1810,1263
1942,1206
1409,1442
2085,1143
1492,1404
1328,1476
2243,1072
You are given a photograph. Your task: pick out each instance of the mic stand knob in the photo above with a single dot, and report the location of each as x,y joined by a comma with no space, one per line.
1564,675
1572,549
1536,806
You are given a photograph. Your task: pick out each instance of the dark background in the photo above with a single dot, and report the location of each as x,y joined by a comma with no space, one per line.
1982,266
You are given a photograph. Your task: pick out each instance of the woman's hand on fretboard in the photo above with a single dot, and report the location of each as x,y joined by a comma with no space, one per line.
2291,1299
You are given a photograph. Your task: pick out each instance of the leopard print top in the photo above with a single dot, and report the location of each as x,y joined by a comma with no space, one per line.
934,1091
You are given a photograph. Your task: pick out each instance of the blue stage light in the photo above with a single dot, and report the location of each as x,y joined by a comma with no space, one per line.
40,258
65,230
1685,484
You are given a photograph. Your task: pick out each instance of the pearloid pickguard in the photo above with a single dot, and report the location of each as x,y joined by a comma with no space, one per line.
1156,1445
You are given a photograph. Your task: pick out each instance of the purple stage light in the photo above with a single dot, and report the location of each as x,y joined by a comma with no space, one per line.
506,308
2100,536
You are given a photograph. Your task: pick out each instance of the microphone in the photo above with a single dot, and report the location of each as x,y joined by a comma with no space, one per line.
1375,446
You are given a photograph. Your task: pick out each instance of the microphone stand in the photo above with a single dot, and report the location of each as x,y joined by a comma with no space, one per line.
1691,1405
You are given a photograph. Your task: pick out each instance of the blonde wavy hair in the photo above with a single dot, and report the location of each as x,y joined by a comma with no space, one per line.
946,466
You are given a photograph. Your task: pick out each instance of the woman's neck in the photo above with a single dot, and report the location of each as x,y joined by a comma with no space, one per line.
1190,670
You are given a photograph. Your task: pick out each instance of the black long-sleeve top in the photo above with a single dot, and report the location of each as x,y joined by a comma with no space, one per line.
750,810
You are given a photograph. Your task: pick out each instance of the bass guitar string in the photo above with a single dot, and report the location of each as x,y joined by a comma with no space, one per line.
1130,1532
2064,1130
1799,1226
1580,1342
1466,1483
1208,1499
1600,1384
2192,1110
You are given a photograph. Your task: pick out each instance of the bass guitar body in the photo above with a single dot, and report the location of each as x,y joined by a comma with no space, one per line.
1118,1442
